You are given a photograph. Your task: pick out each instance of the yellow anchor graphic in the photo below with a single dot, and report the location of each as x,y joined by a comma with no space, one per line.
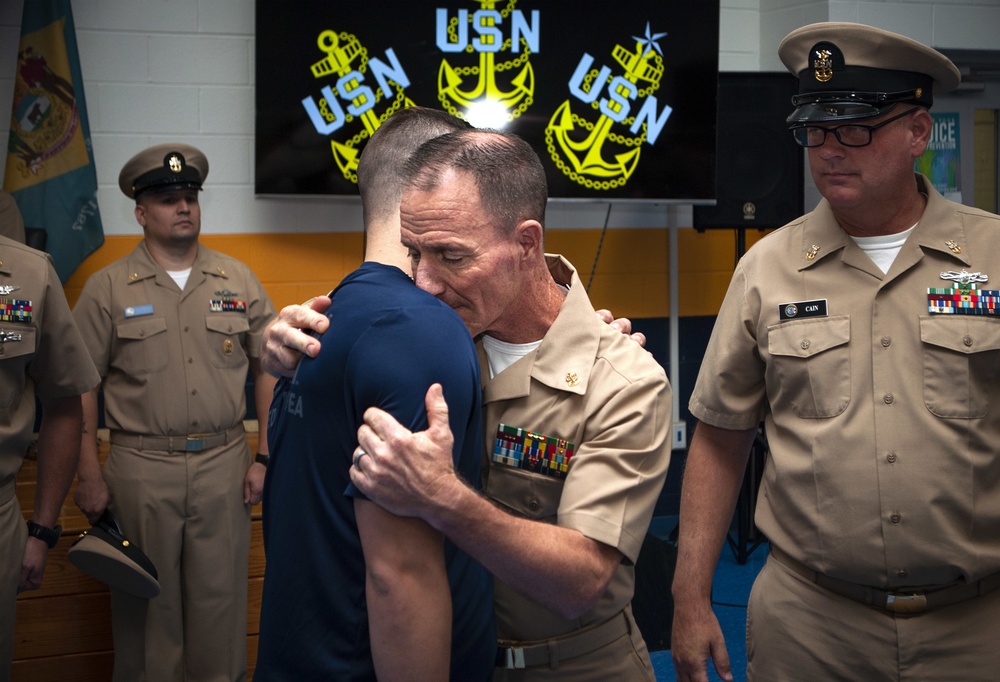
340,61
586,157
486,89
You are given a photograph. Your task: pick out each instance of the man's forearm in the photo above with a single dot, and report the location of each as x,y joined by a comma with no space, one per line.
409,624
407,594
263,387
713,475
90,465
58,456
557,567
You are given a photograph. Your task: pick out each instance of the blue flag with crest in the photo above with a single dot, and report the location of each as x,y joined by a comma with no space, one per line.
50,168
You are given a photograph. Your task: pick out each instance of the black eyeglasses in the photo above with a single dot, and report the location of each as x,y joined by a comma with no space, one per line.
849,134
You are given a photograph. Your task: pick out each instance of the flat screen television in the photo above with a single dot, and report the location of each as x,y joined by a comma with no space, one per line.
617,99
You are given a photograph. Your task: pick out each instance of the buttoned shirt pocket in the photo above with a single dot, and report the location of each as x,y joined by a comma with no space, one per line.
961,364
810,368
226,334
533,496
142,345
14,359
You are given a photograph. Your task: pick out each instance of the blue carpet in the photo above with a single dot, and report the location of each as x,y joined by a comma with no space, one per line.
730,592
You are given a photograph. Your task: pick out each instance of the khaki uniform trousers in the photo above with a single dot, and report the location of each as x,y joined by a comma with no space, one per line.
797,631
13,535
186,512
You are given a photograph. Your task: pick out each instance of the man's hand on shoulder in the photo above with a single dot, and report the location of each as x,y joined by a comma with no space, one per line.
409,474
622,324
286,339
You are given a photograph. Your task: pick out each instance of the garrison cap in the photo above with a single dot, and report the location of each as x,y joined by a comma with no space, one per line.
851,71
103,553
163,168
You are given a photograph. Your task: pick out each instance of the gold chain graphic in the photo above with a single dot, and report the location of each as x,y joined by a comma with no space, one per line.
343,50
585,151
466,86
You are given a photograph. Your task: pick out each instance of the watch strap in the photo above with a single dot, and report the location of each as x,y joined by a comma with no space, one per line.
50,536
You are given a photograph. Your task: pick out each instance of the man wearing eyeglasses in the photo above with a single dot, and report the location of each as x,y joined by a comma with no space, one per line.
866,336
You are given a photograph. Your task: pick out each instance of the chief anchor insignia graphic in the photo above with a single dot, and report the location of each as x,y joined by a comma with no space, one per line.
347,62
469,86
603,154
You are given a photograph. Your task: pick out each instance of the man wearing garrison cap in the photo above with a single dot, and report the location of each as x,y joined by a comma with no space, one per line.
173,329
865,335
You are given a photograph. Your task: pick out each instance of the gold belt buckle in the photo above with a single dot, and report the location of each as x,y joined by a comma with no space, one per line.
906,603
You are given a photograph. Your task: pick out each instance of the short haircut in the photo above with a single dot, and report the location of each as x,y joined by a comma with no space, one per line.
507,172
380,177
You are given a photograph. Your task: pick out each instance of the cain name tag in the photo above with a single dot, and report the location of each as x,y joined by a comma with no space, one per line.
793,311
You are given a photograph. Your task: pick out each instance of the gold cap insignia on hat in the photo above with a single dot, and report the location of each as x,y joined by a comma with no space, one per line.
174,163
823,65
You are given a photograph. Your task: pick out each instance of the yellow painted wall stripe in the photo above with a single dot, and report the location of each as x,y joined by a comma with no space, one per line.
631,277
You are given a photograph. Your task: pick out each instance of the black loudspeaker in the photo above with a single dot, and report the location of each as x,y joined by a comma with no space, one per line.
759,167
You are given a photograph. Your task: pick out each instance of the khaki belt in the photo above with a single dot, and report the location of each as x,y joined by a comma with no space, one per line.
191,443
900,601
517,655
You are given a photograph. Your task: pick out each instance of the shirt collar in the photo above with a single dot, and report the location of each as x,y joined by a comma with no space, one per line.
940,229
565,359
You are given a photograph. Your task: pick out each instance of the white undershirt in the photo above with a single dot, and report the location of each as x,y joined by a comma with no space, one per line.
502,355
180,276
883,249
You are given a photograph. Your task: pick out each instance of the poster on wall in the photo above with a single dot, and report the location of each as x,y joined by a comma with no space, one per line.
942,160
617,99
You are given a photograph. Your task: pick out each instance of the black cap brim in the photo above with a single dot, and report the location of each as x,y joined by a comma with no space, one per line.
104,553
828,112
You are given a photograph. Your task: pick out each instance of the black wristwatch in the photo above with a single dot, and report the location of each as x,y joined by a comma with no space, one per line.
50,536
261,458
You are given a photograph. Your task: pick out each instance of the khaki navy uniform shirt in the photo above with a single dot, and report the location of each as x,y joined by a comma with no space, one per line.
40,348
41,353
882,416
173,363
596,388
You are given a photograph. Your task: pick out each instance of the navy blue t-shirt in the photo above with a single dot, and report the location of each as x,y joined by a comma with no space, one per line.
388,341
